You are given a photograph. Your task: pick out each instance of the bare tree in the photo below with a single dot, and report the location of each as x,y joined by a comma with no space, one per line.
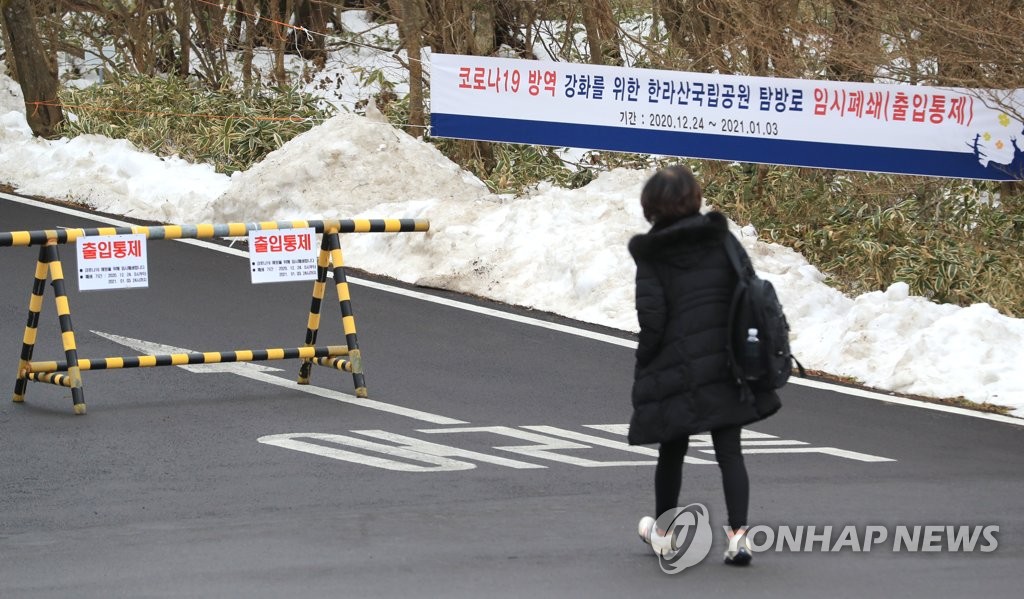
311,17
769,27
278,38
602,32
697,31
247,15
410,18
36,73
182,12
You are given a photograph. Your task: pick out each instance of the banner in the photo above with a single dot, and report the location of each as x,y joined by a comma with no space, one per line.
902,129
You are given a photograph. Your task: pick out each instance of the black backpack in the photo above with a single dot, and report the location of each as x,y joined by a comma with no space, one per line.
758,334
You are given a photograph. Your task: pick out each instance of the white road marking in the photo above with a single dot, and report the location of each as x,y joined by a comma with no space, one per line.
754,442
436,463
849,391
444,450
616,429
260,373
603,442
747,437
840,453
545,442
543,446
770,442
151,348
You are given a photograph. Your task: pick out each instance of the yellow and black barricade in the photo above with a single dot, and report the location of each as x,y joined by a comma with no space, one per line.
68,372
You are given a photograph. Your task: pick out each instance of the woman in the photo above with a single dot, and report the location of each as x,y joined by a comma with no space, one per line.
682,382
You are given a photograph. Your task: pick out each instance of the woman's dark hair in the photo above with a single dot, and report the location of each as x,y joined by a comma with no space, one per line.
672,193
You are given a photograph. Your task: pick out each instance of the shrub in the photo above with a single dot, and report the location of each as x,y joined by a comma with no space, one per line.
169,116
952,241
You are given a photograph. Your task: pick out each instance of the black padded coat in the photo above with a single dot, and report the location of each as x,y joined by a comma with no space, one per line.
682,383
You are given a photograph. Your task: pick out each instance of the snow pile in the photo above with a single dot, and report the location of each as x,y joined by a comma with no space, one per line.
344,166
556,250
103,173
13,127
111,175
907,344
11,99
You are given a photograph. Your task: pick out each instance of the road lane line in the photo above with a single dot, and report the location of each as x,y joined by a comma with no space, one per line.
259,372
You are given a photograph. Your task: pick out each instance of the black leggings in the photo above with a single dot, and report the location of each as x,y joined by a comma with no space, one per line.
668,476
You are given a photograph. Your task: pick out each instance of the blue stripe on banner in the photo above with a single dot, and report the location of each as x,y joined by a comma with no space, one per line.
724,147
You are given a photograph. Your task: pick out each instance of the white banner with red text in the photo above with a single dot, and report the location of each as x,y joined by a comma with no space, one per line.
903,129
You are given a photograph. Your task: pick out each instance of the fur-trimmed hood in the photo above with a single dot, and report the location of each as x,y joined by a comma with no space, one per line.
690,230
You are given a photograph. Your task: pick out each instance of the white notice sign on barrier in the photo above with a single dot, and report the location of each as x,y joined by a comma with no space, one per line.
287,255
112,262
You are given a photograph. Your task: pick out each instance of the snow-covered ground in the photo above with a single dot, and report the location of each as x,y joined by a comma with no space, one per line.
556,250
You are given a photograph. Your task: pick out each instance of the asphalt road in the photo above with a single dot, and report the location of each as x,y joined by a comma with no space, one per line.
240,484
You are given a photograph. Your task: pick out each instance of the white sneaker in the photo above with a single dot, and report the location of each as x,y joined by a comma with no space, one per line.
645,528
738,553
649,533
663,546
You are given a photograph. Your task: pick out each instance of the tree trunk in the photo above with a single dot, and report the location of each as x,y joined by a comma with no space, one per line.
460,27
710,20
602,32
771,46
454,24
410,22
277,40
850,33
312,15
482,27
183,17
37,76
448,27
12,67
695,31
512,26
249,10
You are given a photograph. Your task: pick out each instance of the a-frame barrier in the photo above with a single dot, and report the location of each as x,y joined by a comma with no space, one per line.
68,372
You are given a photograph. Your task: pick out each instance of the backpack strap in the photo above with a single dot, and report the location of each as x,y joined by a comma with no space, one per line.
799,366
734,259
732,248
